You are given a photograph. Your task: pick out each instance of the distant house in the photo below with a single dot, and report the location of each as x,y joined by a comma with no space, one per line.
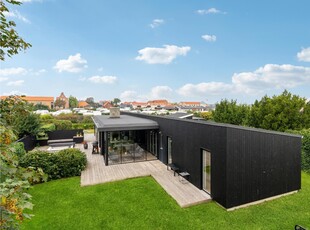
158,103
190,103
192,108
62,97
37,100
107,104
138,105
83,104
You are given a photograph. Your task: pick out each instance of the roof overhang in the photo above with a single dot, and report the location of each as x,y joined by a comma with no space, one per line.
124,122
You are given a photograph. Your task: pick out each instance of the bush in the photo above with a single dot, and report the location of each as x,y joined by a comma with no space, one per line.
63,124
65,163
83,126
305,150
48,127
19,149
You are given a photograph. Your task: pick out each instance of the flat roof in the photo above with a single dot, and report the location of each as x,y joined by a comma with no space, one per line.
124,122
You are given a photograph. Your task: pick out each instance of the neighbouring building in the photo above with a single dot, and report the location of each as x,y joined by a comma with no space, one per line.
190,103
157,103
83,104
37,100
62,97
107,104
235,165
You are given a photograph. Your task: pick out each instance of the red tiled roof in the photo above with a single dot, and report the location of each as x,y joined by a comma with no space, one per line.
32,98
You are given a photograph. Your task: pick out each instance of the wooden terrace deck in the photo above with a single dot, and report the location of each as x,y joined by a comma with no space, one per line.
185,194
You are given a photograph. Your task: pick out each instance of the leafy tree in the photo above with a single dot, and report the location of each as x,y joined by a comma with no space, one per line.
280,113
14,182
230,112
115,101
16,114
60,103
73,102
10,42
92,103
90,100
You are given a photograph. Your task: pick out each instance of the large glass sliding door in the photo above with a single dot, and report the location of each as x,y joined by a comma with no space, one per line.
206,171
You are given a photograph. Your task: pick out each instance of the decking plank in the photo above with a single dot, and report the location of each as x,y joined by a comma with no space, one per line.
96,172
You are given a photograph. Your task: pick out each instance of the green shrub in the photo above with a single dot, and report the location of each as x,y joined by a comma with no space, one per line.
44,117
48,127
19,149
71,162
65,163
83,126
63,124
305,150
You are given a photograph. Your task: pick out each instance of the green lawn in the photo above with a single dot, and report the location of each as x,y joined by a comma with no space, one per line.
142,204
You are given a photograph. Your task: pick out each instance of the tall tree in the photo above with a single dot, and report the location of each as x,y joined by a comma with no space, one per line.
60,103
280,113
230,112
115,101
73,102
10,42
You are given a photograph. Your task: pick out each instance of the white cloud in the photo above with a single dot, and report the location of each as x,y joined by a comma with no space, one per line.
13,71
74,64
162,91
3,79
16,14
15,83
103,79
100,69
209,38
129,95
213,88
39,72
304,55
270,76
210,11
166,55
156,22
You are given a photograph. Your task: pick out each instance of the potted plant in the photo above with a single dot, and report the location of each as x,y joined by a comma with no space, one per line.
85,144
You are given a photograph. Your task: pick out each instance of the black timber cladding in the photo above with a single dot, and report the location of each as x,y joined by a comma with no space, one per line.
247,164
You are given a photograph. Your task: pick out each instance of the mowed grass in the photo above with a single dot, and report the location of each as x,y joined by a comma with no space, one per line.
141,203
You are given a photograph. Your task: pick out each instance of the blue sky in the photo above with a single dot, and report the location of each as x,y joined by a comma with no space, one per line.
179,50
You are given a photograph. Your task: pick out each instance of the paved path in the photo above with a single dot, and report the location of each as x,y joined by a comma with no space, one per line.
96,172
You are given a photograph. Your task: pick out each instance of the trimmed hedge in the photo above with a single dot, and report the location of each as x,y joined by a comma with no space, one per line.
64,163
83,126
62,124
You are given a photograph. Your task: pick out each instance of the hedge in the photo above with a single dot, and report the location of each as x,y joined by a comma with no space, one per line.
83,126
305,150
61,164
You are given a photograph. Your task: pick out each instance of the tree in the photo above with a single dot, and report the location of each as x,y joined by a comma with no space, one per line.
14,182
115,101
60,103
230,112
280,113
73,102
10,42
16,114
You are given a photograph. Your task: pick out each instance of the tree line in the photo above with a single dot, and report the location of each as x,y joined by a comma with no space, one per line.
279,113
